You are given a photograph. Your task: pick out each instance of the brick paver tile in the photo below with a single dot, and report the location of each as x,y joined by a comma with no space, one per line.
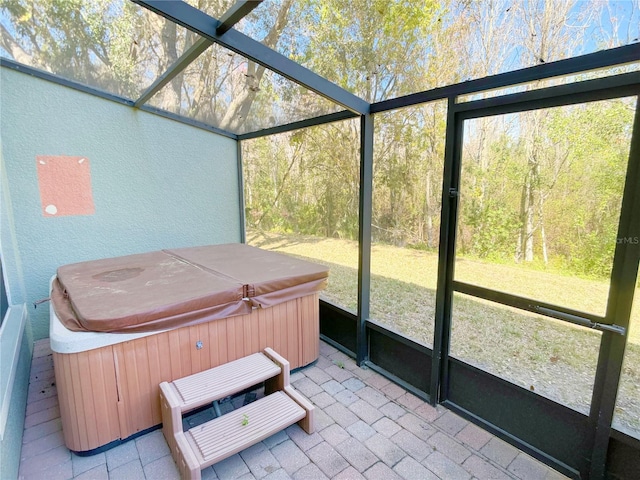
335,434
152,446
295,376
163,468
326,349
57,460
480,468
393,391
410,401
276,439
323,362
356,454
444,467
428,412
47,374
322,400
364,373
386,427
41,430
354,384
410,469
525,467
322,420
372,396
36,387
316,374
385,449
343,416
122,454
338,356
61,471
290,457
42,348
307,387
447,445
417,426
42,364
279,474
378,381
260,460
327,459
451,423
84,464
361,431
411,444
339,374
208,474
40,405
302,438
474,436
499,451
41,416
127,471
41,445
332,387
365,411
349,473
393,411
309,472
231,467
96,473
380,471
346,397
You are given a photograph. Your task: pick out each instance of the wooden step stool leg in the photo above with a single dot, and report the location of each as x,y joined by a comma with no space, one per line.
279,382
171,416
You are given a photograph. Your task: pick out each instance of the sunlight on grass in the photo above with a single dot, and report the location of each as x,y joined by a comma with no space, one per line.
553,358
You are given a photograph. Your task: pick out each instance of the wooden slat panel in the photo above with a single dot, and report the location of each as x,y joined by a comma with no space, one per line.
185,351
279,330
223,346
80,410
146,387
309,313
106,419
238,325
293,347
111,389
66,400
203,336
155,376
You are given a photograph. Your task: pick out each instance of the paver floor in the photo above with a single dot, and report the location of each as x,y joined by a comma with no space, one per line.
366,427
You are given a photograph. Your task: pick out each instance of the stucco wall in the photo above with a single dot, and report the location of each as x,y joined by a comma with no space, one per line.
155,183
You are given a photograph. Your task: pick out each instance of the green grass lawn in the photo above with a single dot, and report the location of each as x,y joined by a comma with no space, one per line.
553,358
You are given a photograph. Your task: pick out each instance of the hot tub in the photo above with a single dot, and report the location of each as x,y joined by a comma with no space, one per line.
242,300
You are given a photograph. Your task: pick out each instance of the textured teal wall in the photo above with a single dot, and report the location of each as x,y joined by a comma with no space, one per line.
156,183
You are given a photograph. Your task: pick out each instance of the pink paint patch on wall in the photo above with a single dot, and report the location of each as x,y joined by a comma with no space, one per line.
65,185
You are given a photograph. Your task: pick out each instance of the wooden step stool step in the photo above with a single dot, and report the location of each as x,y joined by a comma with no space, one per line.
222,437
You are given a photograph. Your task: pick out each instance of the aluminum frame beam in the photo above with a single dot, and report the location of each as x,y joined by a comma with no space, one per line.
583,63
178,66
364,235
237,12
199,22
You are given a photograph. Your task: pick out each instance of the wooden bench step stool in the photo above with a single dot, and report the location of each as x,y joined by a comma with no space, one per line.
231,433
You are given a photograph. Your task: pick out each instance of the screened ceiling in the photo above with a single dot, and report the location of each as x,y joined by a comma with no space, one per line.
321,56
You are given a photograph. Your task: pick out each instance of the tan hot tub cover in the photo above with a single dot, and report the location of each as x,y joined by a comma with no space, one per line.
174,288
